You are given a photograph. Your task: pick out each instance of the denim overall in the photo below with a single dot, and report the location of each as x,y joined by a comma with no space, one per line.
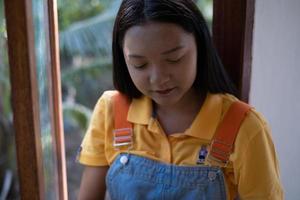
133,177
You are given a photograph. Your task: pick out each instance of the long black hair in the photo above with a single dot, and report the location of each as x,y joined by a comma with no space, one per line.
211,76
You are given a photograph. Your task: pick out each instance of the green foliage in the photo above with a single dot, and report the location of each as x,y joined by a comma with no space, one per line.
90,36
7,145
206,7
77,115
88,82
70,11
5,108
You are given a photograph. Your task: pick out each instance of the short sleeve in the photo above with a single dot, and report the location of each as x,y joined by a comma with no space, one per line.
258,174
92,149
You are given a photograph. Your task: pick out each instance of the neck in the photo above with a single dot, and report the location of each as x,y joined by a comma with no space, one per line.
190,103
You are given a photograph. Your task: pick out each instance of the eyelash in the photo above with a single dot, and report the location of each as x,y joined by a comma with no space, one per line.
140,67
169,61
174,61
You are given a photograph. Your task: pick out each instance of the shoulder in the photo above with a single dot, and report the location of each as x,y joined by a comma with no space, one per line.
254,147
254,132
254,121
108,95
103,109
253,127
105,100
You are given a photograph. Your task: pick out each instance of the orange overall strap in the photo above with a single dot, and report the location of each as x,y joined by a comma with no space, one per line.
120,108
222,144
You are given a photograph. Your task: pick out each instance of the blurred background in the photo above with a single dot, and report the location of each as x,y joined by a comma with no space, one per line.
85,29
8,174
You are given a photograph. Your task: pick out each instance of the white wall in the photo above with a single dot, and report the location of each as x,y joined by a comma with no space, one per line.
275,84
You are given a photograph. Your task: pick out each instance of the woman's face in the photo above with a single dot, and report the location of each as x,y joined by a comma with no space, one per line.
161,60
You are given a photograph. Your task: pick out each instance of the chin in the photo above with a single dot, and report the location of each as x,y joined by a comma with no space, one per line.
168,101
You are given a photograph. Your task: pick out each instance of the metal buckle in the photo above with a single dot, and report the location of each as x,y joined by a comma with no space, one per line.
216,161
123,137
213,161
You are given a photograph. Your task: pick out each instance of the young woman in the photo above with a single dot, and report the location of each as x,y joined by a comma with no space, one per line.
176,95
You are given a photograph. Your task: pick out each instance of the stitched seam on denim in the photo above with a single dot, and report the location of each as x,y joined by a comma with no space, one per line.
156,167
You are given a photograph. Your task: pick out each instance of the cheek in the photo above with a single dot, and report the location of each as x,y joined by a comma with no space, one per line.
189,76
192,67
139,79
188,70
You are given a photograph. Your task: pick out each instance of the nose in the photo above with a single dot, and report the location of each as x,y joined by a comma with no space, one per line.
159,75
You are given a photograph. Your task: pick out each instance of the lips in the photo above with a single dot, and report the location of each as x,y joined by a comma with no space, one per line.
164,92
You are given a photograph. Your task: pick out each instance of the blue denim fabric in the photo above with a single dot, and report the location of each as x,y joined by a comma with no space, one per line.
140,178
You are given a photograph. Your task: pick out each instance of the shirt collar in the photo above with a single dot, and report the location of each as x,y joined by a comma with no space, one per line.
204,125
140,110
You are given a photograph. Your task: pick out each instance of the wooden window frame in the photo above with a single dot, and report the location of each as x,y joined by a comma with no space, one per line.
25,99
57,98
232,33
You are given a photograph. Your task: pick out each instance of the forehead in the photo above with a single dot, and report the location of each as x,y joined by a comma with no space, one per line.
156,36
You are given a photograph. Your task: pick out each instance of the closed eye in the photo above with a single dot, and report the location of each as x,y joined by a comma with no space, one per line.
174,60
140,66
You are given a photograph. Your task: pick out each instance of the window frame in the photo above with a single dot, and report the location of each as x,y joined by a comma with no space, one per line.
233,35
25,98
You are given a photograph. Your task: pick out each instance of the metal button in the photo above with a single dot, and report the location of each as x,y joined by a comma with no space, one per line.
124,160
212,175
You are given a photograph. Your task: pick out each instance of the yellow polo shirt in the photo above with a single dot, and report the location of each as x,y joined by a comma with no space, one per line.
253,169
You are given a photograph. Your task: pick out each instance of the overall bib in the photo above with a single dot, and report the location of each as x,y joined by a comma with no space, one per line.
133,177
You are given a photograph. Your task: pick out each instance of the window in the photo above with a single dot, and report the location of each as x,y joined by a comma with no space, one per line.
33,61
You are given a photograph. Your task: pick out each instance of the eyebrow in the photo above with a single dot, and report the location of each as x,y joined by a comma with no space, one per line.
163,53
172,50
